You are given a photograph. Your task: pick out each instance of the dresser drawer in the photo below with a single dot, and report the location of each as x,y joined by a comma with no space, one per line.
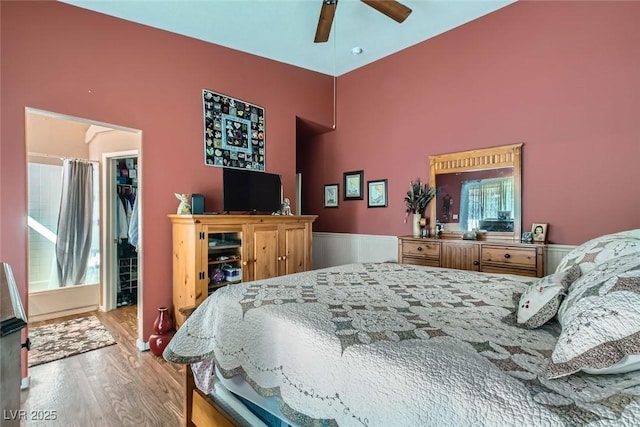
421,249
509,255
505,269
427,262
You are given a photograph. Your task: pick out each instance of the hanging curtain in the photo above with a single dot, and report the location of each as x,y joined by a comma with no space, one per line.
497,195
470,205
73,245
483,200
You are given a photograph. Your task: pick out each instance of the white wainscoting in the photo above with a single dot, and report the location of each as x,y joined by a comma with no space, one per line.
553,256
331,249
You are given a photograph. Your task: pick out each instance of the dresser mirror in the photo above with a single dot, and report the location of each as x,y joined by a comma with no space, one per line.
478,190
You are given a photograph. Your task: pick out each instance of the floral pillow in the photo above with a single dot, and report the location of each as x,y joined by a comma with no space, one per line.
601,249
600,321
540,302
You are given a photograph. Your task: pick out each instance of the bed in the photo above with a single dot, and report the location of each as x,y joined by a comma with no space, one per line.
385,344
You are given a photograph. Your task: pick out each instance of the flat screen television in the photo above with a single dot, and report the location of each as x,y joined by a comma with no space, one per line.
251,191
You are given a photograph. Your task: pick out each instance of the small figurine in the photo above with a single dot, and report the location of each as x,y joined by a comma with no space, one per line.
285,208
184,208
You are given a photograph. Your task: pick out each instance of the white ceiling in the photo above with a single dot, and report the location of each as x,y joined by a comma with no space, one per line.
283,30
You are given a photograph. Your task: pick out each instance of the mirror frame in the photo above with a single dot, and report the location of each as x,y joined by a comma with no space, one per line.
503,156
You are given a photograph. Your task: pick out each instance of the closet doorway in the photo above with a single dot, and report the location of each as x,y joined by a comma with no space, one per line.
122,237
125,172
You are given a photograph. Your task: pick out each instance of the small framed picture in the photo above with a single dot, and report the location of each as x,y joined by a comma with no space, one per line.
527,237
353,185
504,215
539,232
377,193
331,196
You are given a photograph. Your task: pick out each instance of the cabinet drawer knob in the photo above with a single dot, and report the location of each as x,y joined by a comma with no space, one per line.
279,258
244,262
507,256
476,262
419,248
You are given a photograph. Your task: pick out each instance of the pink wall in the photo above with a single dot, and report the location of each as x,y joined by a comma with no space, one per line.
561,77
60,58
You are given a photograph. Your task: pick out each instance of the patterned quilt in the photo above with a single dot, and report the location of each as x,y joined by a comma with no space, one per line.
395,345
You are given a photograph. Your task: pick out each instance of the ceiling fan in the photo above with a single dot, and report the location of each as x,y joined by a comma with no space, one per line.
391,8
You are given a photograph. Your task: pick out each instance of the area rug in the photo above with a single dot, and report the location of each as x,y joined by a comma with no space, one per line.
68,338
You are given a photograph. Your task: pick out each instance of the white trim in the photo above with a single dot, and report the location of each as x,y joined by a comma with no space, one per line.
78,119
142,345
298,208
109,247
553,255
25,383
331,249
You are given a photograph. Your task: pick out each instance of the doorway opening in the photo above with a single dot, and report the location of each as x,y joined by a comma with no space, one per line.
125,171
50,138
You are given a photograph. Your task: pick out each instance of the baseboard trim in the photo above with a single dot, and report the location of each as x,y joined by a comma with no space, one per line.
142,345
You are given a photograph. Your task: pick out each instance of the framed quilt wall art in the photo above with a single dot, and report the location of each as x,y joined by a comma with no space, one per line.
233,132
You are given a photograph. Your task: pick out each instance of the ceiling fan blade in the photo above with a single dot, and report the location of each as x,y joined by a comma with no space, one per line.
391,8
325,21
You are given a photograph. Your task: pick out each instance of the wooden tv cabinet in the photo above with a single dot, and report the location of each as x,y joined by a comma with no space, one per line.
244,247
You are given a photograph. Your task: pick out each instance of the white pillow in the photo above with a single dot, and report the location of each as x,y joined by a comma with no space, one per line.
540,302
600,322
601,249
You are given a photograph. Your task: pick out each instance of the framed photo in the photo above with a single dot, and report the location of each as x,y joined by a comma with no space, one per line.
539,232
331,196
377,193
527,237
353,185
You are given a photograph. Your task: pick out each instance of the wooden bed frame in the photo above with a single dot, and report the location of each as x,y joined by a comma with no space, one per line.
200,410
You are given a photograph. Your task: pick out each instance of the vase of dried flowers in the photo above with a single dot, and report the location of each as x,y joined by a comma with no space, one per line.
418,197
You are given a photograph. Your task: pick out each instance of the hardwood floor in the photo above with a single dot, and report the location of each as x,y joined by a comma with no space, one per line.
112,386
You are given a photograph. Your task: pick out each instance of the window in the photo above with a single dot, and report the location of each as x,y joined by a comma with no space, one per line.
486,199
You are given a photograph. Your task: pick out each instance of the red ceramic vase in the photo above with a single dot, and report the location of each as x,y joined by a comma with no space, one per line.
162,332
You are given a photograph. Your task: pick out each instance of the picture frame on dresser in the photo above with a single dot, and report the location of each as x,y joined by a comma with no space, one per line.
331,196
353,185
539,232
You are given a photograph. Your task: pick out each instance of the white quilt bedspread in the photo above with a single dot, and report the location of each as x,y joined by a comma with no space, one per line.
396,345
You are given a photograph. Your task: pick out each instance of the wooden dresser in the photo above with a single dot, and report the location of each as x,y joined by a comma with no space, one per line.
489,256
242,247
